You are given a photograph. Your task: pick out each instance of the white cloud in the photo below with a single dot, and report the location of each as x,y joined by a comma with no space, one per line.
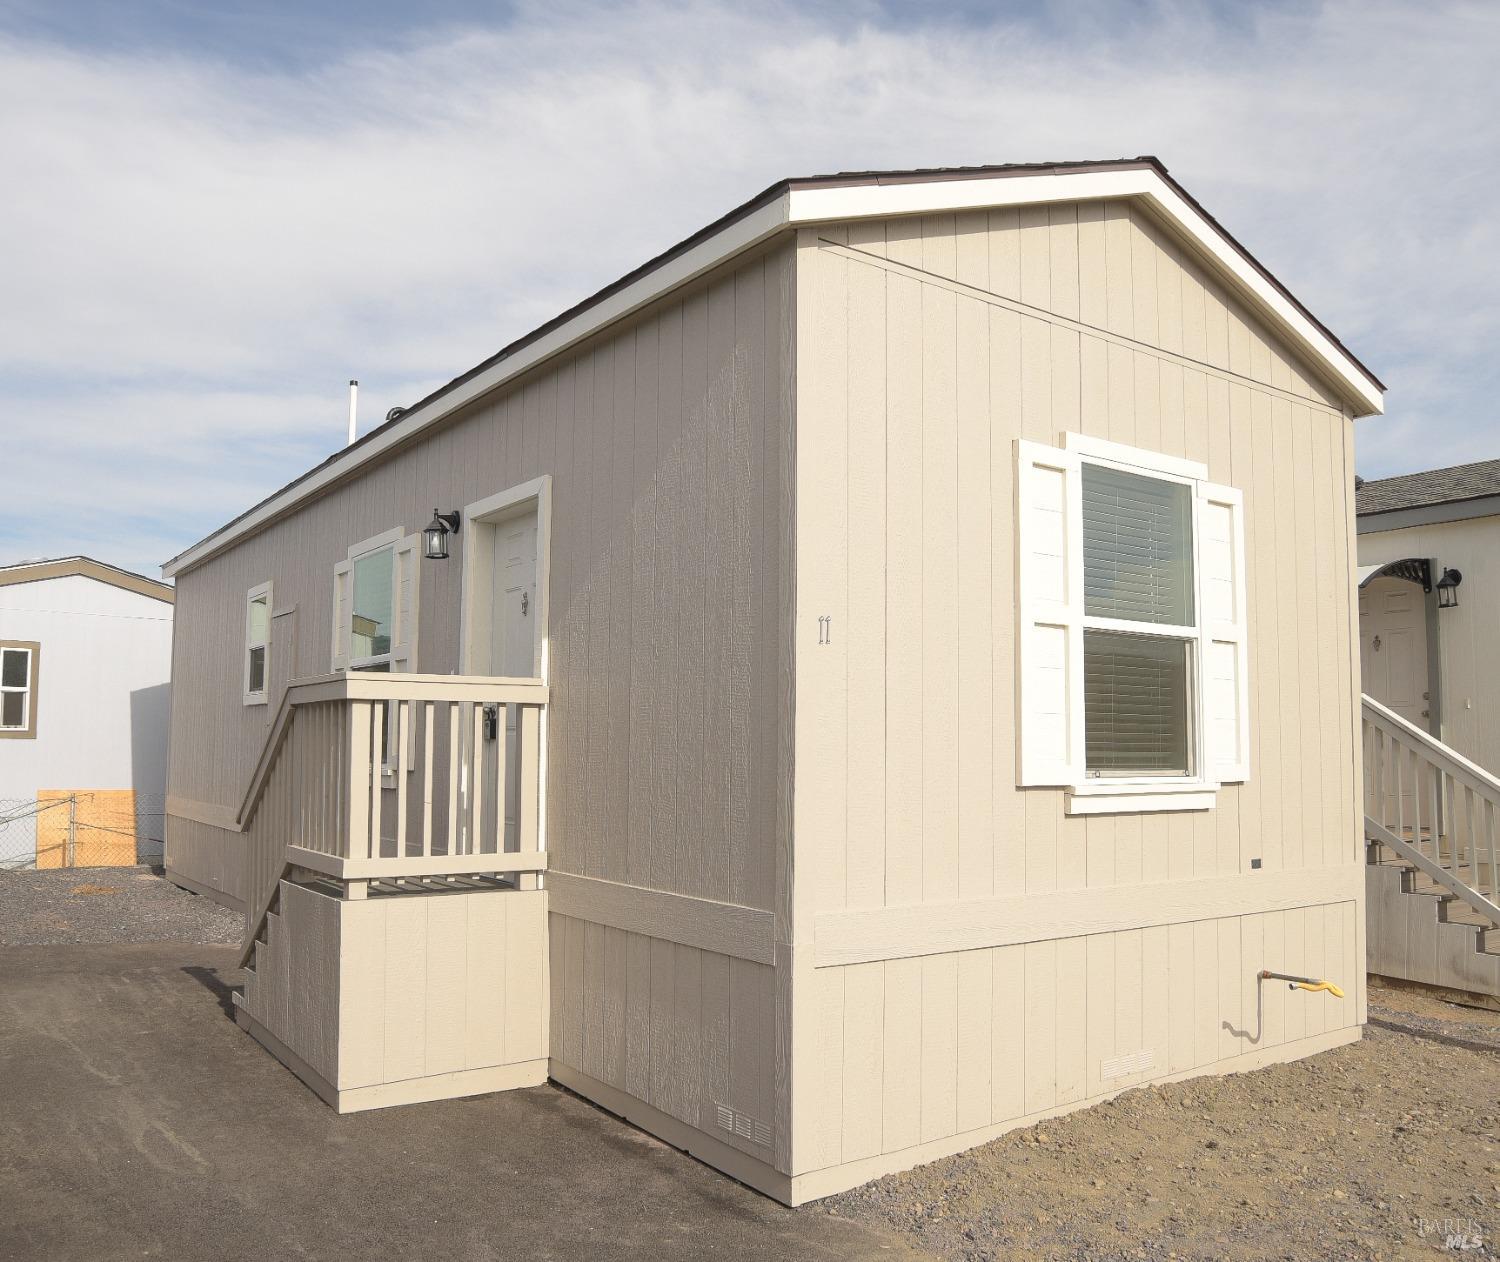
197,255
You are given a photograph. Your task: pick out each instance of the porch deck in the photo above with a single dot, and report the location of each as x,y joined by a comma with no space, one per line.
395,937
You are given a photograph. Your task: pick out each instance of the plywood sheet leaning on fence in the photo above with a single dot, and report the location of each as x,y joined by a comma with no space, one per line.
85,828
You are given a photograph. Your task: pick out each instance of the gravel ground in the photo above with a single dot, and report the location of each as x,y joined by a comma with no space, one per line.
1386,1148
107,905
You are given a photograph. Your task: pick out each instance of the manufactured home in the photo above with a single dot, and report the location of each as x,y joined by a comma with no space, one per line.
1429,606
85,664
879,674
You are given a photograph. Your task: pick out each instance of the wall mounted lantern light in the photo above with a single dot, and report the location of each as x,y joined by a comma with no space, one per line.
1447,589
435,537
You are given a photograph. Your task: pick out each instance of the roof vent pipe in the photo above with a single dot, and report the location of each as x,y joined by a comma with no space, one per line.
353,405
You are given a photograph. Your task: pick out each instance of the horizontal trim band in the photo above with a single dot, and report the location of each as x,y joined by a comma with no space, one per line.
893,933
203,813
744,933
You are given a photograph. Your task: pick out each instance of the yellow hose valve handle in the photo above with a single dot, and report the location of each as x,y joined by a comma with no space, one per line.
1303,983
1328,986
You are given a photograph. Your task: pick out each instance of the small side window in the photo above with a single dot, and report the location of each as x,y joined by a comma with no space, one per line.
257,643
18,690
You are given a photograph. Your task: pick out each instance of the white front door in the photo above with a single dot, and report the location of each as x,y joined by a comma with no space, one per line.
1393,647
514,644
1393,663
513,638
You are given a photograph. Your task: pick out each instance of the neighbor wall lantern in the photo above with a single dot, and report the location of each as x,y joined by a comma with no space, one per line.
1447,589
435,537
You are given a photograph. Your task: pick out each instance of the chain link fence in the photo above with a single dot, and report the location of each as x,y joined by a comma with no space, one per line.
83,828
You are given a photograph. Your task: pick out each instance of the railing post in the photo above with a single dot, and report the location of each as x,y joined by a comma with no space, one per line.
403,709
475,767
429,714
379,711
527,833
356,840
455,831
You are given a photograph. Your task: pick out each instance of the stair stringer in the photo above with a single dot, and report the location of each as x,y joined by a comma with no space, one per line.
1410,938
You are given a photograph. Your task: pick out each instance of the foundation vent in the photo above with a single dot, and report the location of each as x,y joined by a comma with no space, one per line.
1124,1066
743,1125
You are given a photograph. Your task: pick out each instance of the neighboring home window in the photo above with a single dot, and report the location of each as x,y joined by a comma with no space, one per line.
257,643
1133,627
18,688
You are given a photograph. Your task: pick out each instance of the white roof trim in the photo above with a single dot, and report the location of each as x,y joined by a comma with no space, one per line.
802,205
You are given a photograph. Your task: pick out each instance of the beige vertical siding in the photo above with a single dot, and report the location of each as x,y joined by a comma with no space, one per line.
440,985
926,347
667,440
1470,682
393,999
664,443
682,1029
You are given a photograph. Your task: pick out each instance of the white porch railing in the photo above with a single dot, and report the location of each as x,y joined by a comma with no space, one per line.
377,777
1432,808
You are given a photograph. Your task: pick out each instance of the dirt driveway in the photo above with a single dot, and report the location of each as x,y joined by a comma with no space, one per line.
1386,1148
137,1120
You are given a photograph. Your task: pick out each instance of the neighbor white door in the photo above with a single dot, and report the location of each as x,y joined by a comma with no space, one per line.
514,641
1393,662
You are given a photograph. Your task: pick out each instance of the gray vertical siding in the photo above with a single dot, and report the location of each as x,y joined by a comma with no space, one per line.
665,438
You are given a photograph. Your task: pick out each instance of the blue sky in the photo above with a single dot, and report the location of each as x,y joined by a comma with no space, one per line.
216,215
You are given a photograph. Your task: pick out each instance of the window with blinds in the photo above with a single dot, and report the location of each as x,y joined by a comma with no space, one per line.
1137,547
1135,702
1137,567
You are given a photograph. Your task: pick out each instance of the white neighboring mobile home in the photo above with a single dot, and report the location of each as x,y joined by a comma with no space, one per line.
85,664
1429,611
886,675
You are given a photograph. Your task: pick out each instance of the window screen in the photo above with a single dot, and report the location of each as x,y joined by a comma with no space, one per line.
1135,690
1137,547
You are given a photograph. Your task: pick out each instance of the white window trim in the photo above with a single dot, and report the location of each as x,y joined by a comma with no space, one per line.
248,697
1115,795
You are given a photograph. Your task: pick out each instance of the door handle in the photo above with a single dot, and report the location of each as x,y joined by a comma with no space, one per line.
491,722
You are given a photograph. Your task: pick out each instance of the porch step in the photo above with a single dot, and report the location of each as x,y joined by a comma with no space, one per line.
1423,933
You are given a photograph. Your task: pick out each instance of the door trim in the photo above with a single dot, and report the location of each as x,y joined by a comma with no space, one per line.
537,492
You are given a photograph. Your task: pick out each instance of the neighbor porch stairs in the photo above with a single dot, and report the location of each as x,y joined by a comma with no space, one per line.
1432,834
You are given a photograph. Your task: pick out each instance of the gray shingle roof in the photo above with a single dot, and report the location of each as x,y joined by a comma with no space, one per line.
1435,486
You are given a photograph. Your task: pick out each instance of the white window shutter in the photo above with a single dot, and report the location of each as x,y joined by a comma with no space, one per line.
1049,530
406,587
1223,622
342,580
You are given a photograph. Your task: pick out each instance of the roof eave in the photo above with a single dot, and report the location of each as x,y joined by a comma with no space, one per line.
801,202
